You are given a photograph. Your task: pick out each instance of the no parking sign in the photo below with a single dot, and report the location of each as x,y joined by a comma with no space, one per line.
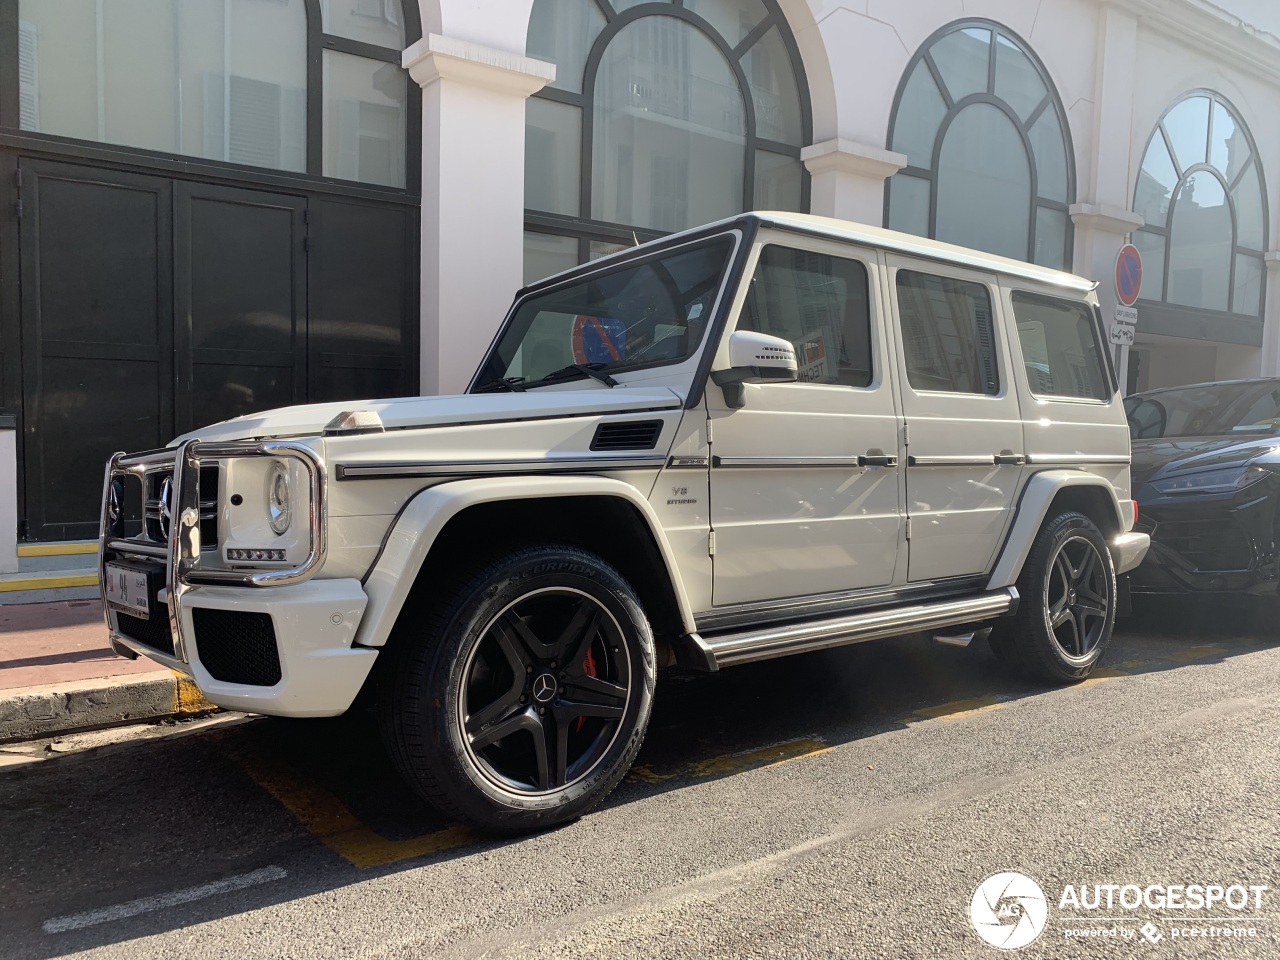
1128,275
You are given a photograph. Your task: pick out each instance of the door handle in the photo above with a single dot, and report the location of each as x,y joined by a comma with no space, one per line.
877,458
1009,458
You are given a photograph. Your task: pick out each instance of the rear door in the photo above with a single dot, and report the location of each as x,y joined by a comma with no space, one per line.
965,448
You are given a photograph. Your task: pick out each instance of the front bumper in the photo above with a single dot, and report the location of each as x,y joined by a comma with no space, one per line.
312,628
275,642
1211,544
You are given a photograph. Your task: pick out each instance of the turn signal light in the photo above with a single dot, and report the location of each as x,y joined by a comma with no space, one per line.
236,554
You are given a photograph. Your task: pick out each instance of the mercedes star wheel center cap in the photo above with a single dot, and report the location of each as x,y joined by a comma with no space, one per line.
544,688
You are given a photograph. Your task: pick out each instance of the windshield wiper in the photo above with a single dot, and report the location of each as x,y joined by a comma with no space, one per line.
514,384
593,370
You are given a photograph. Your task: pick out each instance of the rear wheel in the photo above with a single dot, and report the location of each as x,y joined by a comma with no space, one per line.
521,701
1068,605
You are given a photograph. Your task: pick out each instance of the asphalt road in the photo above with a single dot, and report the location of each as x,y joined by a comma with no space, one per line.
843,804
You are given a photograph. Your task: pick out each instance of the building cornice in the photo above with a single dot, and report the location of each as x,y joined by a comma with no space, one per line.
850,156
1105,217
435,57
1207,26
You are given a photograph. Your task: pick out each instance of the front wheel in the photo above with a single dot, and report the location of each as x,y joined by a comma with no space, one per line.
1068,605
521,700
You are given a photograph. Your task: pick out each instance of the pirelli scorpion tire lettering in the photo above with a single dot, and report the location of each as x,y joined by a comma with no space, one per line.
1068,606
519,698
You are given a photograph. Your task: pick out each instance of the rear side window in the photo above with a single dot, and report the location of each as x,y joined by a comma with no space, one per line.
1060,347
821,304
947,335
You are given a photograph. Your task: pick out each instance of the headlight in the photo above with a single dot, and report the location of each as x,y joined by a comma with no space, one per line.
1212,481
279,511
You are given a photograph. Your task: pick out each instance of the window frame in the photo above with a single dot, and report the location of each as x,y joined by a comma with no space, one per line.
586,229
999,359
1052,100
1177,319
1099,343
12,135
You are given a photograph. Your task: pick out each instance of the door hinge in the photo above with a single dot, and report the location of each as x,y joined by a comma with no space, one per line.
306,244
306,216
17,177
908,528
711,544
906,435
708,431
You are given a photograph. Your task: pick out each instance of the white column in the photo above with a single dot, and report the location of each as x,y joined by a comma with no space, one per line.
473,100
8,497
1271,318
849,179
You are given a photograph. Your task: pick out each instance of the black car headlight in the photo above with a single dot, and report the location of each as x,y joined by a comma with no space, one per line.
1227,480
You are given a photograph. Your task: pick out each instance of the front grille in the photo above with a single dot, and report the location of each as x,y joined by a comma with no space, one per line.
1208,545
157,522
237,647
154,631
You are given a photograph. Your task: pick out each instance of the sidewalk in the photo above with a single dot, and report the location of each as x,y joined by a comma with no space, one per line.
58,675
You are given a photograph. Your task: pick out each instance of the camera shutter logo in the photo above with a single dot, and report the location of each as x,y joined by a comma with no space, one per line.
1008,910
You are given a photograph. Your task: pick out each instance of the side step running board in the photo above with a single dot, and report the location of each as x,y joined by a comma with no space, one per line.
726,650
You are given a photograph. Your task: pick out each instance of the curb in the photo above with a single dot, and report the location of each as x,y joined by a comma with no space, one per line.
28,713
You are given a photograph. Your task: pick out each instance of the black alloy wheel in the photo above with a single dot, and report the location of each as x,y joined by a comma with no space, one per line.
516,697
545,691
1067,608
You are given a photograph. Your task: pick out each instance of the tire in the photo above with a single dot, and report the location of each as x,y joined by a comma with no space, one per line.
520,699
1068,604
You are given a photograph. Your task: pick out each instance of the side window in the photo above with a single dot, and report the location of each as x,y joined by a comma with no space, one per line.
1060,347
822,305
947,334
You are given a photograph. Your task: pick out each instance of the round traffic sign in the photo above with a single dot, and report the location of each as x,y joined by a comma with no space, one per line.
1128,274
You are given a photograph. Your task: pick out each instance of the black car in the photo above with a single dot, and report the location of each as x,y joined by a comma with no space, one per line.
1206,475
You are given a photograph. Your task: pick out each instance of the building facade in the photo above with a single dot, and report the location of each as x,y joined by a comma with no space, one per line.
224,205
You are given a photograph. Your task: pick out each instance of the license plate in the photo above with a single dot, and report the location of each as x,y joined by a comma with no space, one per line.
127,590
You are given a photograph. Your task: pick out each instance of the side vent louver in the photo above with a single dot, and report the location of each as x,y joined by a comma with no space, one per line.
637,435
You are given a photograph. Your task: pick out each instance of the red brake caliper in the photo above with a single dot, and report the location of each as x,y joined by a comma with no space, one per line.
589,668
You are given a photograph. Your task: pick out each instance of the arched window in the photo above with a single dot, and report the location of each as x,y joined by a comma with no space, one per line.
989,161
310,86
663,115
1200,189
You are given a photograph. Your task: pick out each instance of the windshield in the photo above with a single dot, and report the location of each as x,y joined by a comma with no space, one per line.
638,315
1206,411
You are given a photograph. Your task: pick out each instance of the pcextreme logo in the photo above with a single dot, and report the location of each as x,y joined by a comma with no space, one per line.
1008,910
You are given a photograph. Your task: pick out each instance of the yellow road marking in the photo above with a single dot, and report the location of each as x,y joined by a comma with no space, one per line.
188,701
1196,653
48,583
56,549
733,763
329,821
957,709
1103,674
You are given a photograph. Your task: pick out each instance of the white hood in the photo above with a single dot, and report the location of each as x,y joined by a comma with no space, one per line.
409,412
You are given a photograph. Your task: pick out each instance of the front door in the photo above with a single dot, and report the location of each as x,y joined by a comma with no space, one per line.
964,428
805,497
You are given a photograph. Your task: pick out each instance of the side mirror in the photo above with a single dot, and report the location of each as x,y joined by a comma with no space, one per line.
755,358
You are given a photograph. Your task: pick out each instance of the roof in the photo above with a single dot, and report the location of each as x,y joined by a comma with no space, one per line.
919,247
850,232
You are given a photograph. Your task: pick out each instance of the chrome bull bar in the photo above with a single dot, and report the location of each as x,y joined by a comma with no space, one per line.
181,555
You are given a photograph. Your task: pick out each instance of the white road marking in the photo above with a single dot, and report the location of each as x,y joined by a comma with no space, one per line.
147,904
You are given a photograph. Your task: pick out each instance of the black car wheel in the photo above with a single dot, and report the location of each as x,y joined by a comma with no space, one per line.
1068,603
520,702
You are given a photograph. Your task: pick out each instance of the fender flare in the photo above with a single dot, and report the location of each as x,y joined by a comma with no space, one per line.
419,524
1033,506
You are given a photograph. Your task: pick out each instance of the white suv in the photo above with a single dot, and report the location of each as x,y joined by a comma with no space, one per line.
767,436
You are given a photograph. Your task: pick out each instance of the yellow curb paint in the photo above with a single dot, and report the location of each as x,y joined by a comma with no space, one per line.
56,549
188,701
328,820
48,583
1103,674
733,763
